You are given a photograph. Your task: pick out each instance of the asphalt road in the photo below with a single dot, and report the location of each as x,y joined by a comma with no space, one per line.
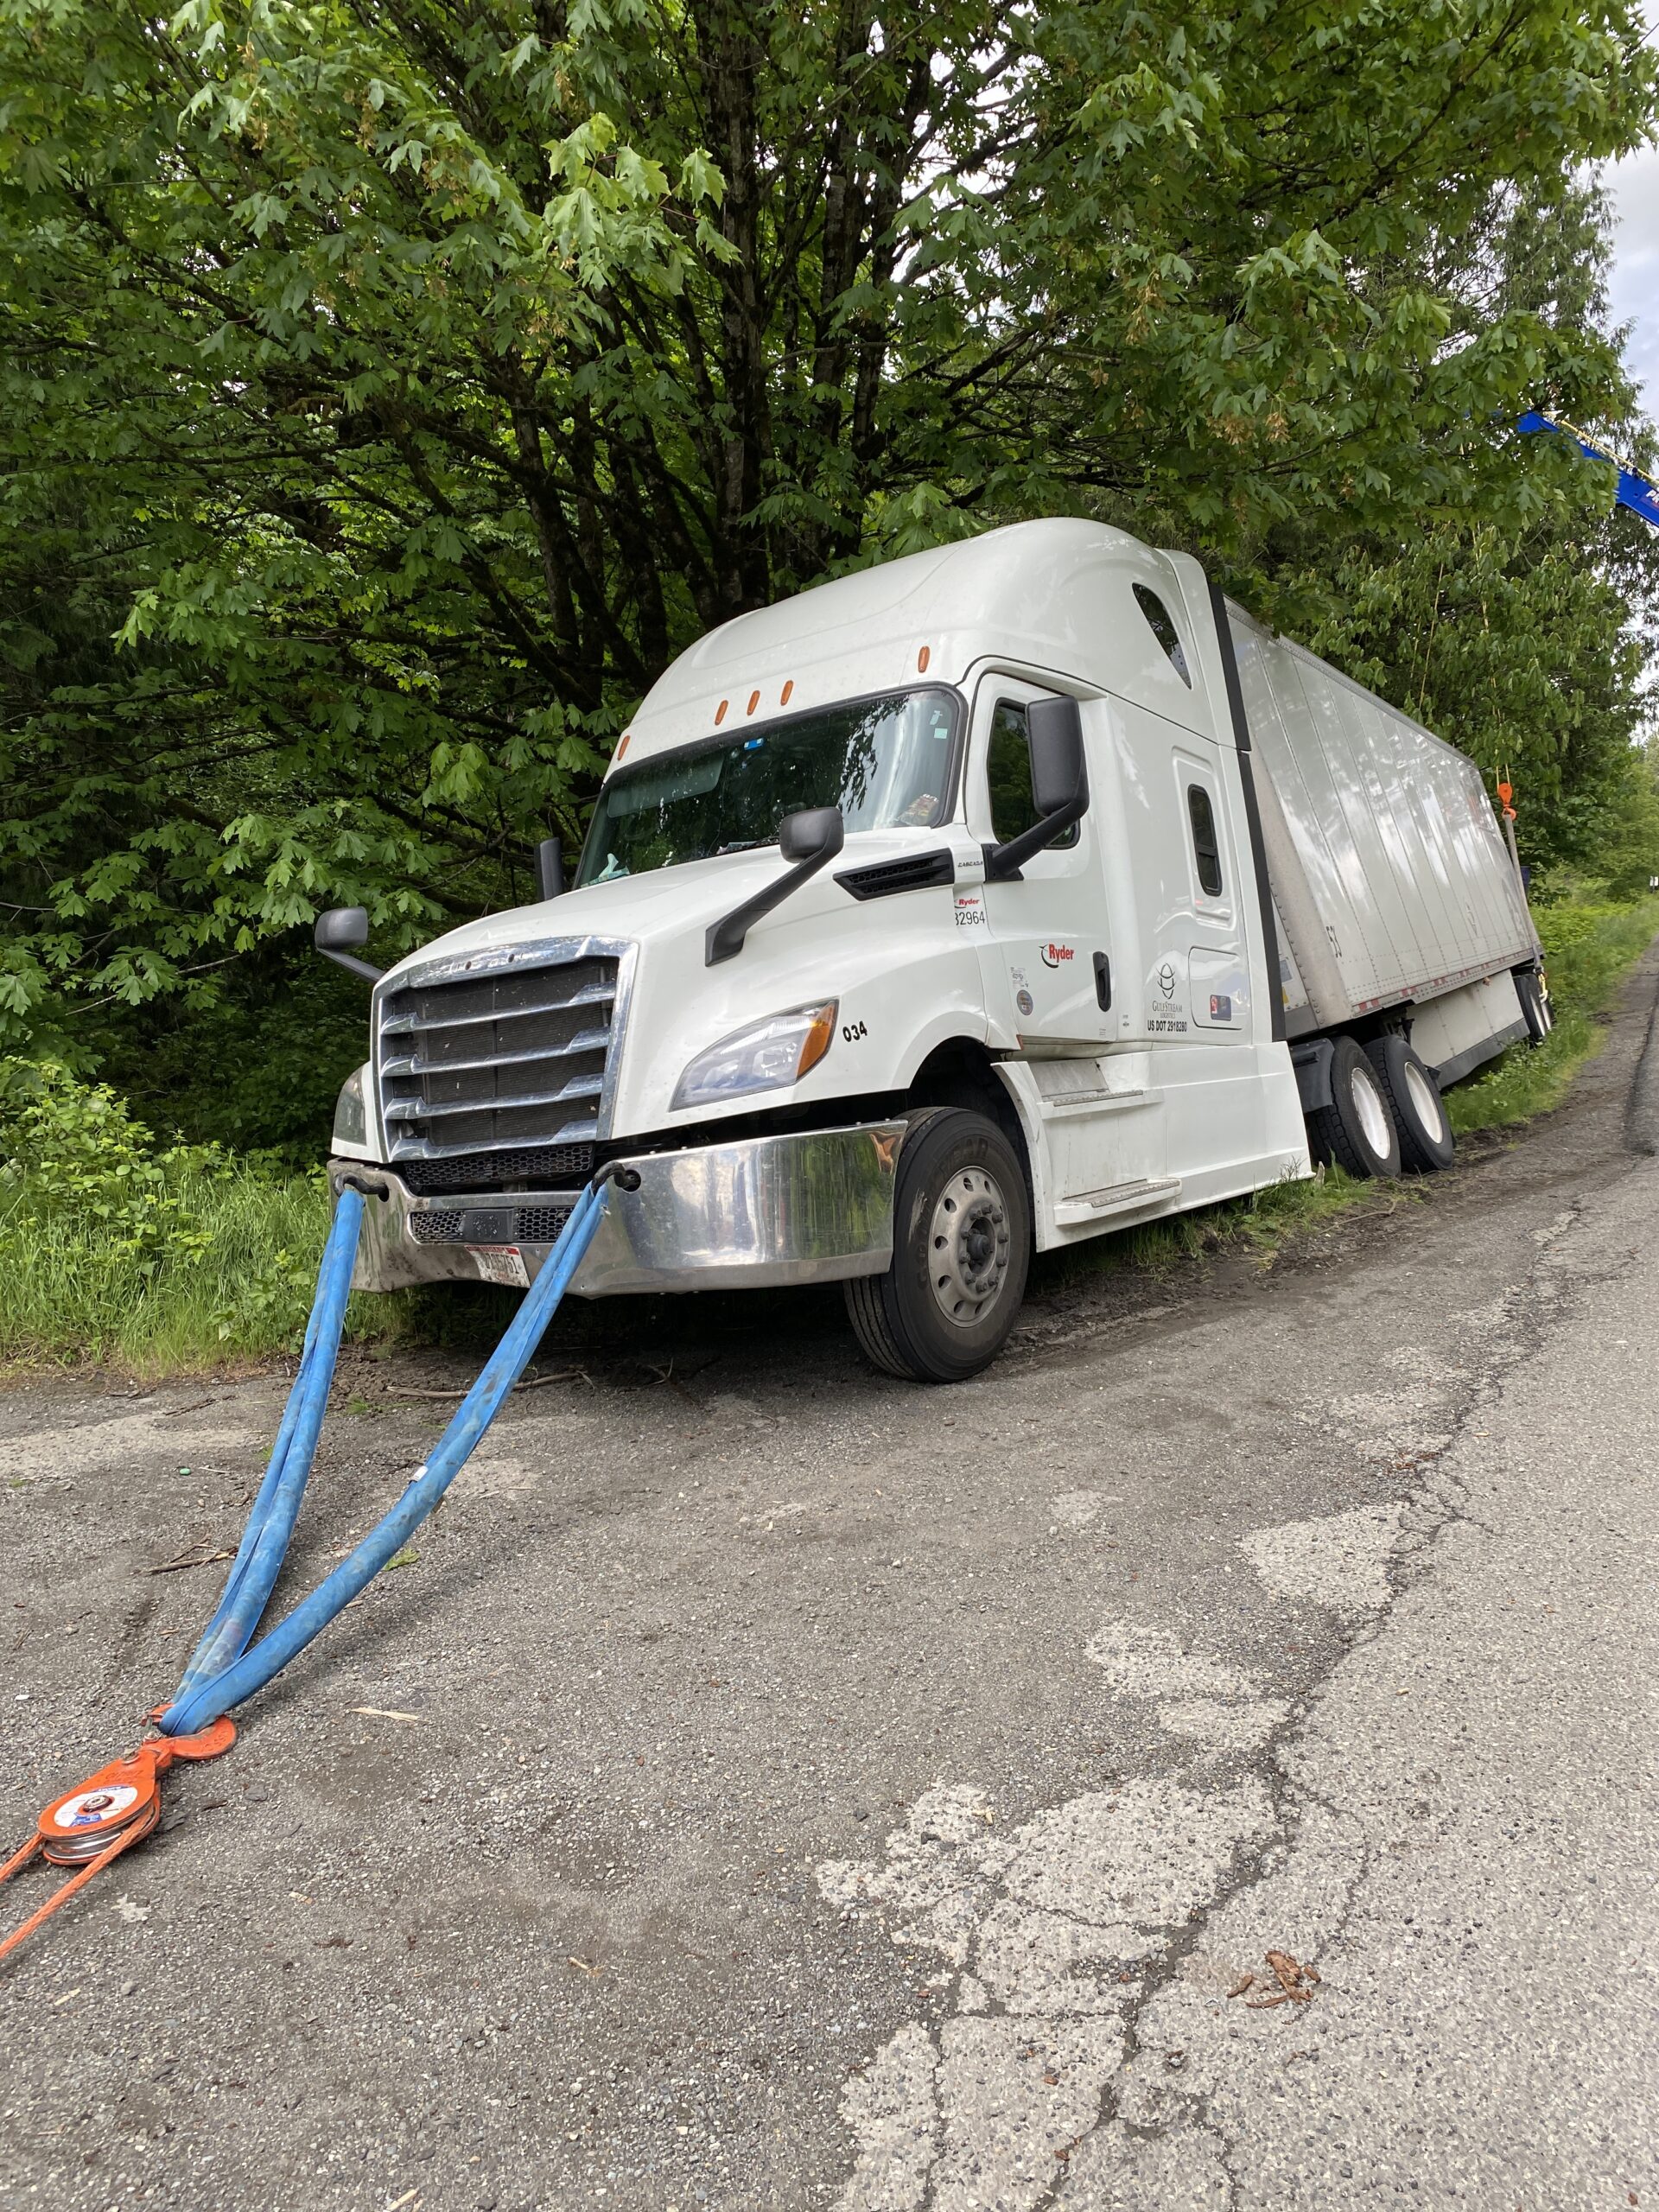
773,1786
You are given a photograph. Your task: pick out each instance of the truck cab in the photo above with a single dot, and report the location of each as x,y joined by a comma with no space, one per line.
923,921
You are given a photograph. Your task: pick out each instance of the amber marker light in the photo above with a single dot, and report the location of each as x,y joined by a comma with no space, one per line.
923,659
816,1043
754,701
622,743
782,697
720,712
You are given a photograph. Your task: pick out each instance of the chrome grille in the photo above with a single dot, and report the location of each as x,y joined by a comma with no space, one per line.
507,1052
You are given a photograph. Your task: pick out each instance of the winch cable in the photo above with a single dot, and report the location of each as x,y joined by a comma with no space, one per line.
206,1700
93,1824
270,1523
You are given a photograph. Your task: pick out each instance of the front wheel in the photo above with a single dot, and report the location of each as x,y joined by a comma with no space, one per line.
961,1247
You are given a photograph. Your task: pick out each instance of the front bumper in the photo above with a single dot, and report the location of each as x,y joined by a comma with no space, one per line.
812,1207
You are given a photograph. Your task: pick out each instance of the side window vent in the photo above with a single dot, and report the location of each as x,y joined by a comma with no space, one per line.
1163,628
1206,846
913,872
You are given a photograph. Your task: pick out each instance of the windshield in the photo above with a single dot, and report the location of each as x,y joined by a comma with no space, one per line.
886,763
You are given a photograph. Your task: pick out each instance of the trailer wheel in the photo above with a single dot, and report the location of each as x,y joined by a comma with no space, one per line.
1535,1008
961,1247
1419,1110
1357,1130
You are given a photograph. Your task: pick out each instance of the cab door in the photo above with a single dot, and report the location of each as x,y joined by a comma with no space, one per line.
1056,975
1200,1020
1048,958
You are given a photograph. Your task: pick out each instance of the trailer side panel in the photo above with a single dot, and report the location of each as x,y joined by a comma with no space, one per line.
1395,834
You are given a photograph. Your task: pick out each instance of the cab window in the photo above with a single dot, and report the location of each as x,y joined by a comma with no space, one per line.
1206,846
1162,626
1007,777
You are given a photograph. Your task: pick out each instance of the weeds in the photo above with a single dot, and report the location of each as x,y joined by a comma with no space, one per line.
1260,1223
1588,950
164,1258
1590,947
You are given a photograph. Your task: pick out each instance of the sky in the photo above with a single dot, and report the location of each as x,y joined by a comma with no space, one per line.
1635,186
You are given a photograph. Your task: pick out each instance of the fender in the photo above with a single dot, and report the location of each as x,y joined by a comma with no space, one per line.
944,1027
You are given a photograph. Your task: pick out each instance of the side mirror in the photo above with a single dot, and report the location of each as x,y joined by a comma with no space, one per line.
817,834
550,867
807,840
1059,785
1058,777
339,927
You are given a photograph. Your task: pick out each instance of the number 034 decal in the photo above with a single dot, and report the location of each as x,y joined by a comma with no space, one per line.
852,1031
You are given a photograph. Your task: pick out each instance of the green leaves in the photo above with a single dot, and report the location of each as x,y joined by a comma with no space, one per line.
72,1150
389,398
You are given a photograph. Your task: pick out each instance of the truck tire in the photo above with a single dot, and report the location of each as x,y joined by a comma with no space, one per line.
1536,1009
961,1249
1357,1130
1420,1115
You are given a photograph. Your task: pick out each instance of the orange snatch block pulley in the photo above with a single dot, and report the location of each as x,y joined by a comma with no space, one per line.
104,1815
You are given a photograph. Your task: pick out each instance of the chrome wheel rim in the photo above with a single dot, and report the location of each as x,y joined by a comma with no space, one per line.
969,1247
1372,1113
1428,1103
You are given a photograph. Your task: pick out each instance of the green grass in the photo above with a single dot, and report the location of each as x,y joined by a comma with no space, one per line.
72,1288
1589,949
1262,1222
170,1260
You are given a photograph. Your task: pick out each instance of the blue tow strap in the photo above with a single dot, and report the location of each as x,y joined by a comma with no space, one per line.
222,1670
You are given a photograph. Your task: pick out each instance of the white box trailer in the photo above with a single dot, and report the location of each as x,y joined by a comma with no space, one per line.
1392,886
965,907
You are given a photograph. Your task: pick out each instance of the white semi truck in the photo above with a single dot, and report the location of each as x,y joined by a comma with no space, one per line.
965,907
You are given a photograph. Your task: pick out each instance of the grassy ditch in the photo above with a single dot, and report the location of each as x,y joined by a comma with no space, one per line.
159,1258
1589,947
117,1249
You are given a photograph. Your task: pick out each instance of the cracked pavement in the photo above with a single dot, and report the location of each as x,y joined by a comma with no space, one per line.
772,1786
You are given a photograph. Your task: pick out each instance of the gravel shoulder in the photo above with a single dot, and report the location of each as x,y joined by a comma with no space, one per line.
772,1786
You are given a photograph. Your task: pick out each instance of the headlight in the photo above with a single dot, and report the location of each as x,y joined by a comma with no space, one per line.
766,1056
351,1116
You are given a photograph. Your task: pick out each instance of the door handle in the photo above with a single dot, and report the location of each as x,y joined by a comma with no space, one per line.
1104,981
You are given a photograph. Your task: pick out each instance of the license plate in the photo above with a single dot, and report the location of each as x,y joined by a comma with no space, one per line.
502,1263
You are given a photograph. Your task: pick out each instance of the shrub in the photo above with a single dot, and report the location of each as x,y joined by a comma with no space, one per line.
165,1255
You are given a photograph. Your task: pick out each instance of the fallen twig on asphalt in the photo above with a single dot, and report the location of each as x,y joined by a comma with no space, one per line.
194,1559
531,1383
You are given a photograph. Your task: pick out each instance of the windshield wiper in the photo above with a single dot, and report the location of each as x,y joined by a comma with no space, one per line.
742,845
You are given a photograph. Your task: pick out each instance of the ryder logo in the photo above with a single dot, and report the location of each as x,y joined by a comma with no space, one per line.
1055,956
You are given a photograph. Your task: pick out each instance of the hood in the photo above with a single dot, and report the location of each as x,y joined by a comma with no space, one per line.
667,902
